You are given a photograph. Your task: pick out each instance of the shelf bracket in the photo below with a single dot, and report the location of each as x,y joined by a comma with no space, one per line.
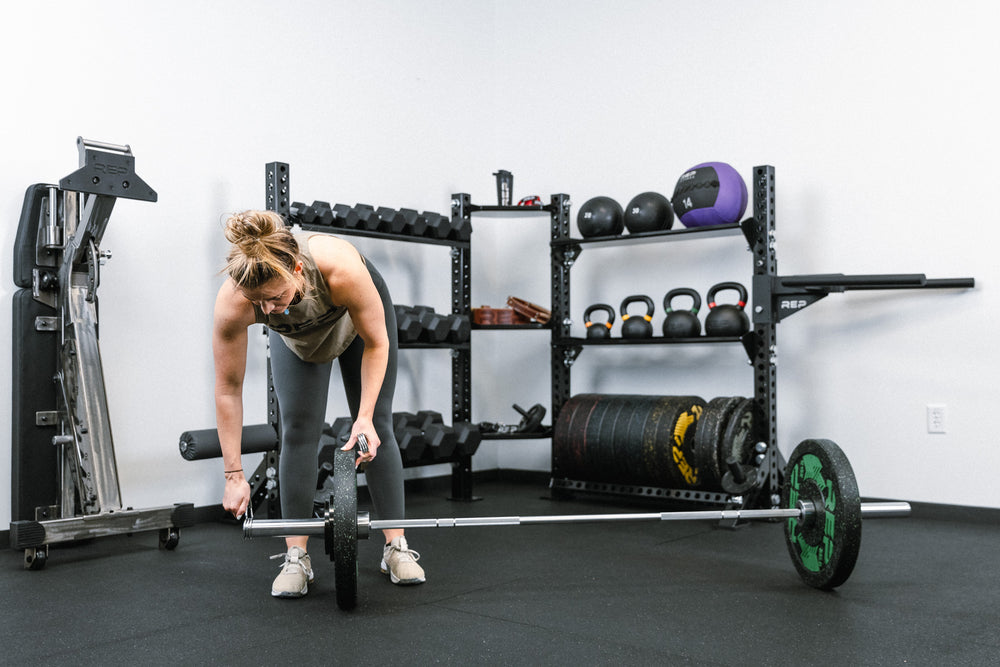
570,354
753,231
753,344
570,254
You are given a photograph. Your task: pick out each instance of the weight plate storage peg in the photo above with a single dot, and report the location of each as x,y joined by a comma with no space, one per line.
726,319
824,543
597,330
634,326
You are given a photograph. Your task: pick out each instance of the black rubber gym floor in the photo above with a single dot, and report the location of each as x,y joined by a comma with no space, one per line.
926,591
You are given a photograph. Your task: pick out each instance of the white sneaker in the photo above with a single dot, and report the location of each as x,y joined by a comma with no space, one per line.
400,563
295,576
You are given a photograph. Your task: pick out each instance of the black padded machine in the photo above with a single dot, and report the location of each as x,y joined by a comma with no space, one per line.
64,476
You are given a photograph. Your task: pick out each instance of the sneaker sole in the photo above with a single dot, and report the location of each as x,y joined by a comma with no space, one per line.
292,594
402,582
289,594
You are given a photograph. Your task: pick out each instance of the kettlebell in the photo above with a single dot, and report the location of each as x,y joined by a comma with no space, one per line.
682,323
727,319
599,329
634,326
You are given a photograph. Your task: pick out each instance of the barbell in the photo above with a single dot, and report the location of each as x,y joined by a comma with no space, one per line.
820,506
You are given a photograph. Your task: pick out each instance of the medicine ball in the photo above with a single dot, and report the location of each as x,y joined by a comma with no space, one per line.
600,216
711,193
649,212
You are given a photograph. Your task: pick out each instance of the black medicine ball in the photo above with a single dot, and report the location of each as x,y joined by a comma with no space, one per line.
600,216
649,212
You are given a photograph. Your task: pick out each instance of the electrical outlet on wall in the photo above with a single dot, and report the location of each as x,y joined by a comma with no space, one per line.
937,418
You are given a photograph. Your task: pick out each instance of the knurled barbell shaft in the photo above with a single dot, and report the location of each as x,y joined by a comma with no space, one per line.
293,527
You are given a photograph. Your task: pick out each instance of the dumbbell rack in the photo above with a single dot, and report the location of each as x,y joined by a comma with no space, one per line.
277,183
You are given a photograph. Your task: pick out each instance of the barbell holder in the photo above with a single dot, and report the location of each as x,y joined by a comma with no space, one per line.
104,146
296,527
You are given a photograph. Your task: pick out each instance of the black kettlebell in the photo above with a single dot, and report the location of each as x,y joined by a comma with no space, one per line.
634,326
682,323
599,329
726,319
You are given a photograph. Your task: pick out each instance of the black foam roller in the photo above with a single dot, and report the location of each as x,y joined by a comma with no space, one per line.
204,444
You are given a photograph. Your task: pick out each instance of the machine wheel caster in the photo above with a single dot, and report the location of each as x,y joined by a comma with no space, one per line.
36,557
169,537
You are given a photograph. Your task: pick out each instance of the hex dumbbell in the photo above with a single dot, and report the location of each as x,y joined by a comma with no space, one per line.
438,226
408,326
390,220
459,328
346,216
468,437
367,217
303,212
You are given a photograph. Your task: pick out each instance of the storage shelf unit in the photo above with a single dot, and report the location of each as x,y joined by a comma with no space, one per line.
565,348
769,294
759,232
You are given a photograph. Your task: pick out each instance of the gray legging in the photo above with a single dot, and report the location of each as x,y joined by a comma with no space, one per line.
302,390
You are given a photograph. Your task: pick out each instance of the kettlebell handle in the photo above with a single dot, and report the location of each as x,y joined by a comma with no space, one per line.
587,322
682,291
650,306
710,297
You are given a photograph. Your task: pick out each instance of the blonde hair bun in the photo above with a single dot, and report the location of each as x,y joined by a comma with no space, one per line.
263,248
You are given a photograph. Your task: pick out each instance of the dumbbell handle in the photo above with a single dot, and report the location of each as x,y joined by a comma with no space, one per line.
295,527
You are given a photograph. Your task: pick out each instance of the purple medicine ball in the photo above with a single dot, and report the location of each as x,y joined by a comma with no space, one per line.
711,193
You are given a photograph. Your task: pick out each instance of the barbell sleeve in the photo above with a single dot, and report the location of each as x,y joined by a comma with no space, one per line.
291,527
884,510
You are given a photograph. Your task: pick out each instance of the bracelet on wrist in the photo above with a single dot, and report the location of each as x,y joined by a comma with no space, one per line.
228,472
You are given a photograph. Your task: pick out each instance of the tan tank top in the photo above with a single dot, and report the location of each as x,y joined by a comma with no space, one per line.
315,329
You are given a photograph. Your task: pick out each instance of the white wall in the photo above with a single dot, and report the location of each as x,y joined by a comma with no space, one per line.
876,117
